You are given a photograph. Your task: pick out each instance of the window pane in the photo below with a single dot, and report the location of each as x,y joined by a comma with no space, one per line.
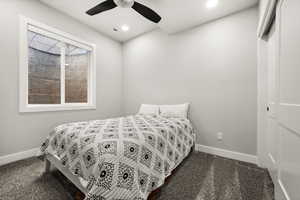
44,69
77,64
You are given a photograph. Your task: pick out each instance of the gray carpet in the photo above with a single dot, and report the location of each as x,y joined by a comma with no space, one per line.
200,177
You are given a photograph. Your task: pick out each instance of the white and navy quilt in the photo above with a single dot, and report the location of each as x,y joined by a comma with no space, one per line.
122,158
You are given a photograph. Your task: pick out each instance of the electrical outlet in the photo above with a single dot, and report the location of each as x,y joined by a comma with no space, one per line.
220,136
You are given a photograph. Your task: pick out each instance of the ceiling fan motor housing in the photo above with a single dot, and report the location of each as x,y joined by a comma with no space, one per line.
124,3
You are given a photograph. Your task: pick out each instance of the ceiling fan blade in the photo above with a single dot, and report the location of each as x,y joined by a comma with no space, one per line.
146,12
104,6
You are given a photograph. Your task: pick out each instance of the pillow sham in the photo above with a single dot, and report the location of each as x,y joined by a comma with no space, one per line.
149,109
179,110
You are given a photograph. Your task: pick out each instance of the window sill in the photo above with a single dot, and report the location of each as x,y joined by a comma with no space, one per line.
52,108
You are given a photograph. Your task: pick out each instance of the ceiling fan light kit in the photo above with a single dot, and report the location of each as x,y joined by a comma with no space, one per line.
140,8
124,3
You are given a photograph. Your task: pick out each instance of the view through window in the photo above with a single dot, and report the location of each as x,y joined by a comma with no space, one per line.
59,70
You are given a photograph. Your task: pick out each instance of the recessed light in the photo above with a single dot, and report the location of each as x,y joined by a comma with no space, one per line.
115,29
125,28
212,3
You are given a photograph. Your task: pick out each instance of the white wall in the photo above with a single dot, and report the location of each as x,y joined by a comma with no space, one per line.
19,132
262,8
213,67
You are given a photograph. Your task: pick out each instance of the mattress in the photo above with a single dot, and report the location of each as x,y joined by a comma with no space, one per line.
121,158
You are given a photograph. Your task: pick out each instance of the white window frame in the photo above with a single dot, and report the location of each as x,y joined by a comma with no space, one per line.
26,25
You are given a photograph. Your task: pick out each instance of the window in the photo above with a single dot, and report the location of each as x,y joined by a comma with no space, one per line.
57,70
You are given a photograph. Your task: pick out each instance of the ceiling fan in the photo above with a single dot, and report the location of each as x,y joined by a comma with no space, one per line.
140,8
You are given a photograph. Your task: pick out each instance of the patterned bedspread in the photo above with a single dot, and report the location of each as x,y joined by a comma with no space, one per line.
122,158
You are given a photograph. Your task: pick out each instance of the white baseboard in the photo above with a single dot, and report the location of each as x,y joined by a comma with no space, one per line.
227,154
18,156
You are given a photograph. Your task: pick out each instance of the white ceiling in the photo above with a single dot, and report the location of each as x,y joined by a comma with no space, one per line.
177,15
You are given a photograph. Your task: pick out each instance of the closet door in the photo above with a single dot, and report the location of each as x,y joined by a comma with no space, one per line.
272,135
289,99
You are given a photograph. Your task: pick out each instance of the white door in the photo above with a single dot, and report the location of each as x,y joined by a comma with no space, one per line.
272,134
289,99
279,127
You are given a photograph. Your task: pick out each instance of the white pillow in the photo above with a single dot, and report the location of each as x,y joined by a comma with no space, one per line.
179,110
149,109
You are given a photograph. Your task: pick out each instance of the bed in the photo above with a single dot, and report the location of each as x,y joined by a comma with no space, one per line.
123,158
